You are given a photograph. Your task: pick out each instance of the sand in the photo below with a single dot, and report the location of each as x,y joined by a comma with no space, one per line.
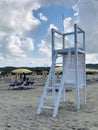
18,110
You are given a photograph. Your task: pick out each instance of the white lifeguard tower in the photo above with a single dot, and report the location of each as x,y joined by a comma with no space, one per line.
71,58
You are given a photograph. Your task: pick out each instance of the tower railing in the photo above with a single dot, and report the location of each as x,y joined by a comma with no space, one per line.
67,40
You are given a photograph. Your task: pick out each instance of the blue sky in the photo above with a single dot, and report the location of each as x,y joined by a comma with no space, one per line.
25,38
54,14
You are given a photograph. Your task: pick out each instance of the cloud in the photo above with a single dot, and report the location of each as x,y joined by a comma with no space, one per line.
67,3
27,61
68,24
17,17
17,24
50,27
85,15
42,17
88,19
92,58
44,46
28,44
13,47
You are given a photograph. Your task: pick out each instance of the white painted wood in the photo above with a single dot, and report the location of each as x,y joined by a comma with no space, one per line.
73,74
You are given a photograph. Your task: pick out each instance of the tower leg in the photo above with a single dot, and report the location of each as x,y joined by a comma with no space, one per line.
84,89
63,94
77,98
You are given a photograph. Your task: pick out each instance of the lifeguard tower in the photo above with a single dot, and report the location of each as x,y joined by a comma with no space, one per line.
71,58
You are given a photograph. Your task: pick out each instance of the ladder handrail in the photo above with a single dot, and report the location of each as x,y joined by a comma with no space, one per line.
46,85
52,82
61,84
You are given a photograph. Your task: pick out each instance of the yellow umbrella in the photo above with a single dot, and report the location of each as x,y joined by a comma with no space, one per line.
58,69
22,70
91,70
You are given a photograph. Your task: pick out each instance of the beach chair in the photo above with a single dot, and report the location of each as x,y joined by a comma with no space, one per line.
14,84
22,85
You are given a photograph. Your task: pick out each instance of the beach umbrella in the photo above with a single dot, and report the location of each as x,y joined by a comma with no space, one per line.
91,70
21,70
58,69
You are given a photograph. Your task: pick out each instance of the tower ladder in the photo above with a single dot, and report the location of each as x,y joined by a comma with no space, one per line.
49,92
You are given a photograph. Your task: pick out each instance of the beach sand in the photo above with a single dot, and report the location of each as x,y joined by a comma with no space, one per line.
18,110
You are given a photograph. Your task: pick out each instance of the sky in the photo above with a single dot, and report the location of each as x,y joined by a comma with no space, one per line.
25,29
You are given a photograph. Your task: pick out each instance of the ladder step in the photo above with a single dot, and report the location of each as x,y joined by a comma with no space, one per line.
56,87
49,88
58,79
59,55
58,63
58,71
50,97
48,107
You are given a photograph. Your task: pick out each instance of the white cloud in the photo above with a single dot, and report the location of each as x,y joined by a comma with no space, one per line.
13,47
50,27
76,12
41,61
67,3
17,24
17,16
88,19
42,17
68,24
76,8
44,46
28,44
30,62
86,15
92,58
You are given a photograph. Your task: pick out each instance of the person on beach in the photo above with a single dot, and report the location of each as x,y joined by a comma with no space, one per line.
24,77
